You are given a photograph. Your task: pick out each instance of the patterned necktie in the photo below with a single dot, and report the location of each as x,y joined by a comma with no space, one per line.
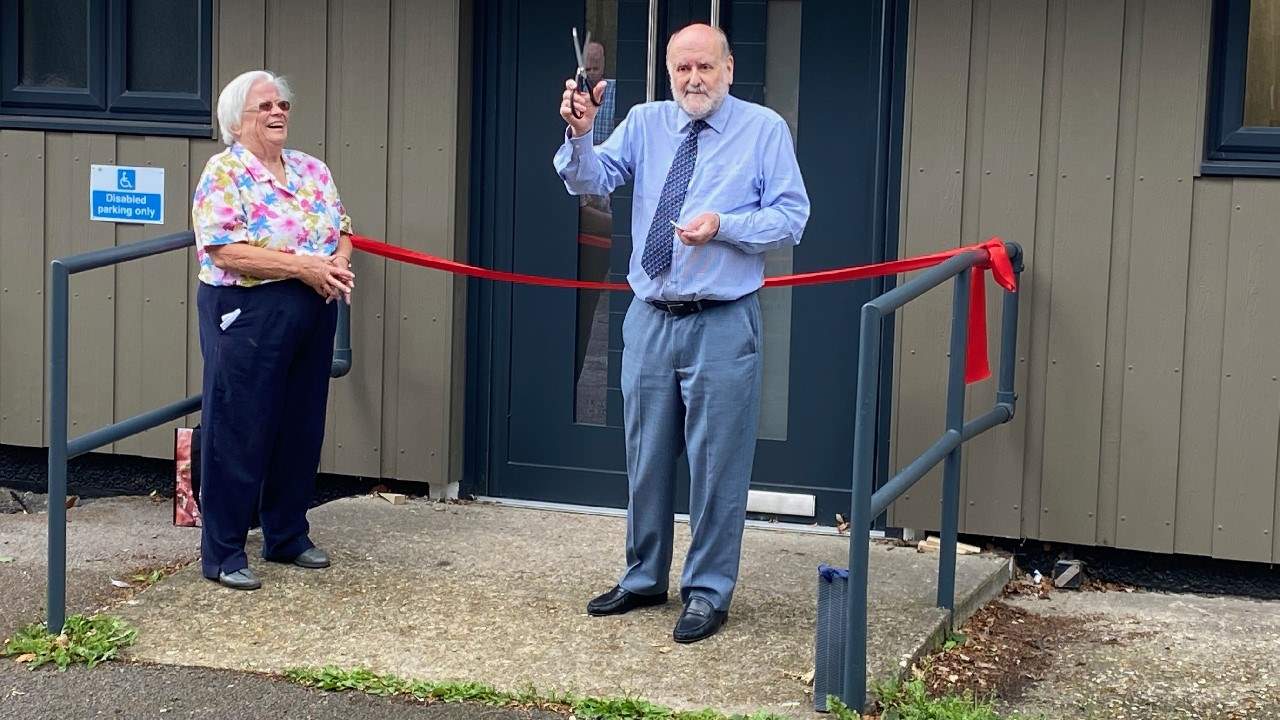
657,246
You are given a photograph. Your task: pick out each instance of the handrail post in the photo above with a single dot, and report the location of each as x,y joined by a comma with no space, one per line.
341,364
854,685
1005,394
61,449
56,601
955,423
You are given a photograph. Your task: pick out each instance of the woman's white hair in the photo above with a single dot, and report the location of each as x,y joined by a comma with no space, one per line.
231,100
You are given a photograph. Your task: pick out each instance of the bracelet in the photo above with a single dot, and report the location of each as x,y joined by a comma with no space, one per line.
346,258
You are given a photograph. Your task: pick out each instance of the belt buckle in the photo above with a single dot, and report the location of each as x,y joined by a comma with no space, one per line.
679,308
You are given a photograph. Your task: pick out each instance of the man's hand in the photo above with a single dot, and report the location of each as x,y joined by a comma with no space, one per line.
571,99
699,230
325,277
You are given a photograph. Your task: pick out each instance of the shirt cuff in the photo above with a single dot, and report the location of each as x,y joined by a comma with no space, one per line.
579,143
730,228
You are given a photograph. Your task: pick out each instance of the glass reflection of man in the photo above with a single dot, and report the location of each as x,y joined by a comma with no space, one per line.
594,56
595,225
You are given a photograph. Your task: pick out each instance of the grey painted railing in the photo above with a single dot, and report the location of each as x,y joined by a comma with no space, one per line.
61,449
867,505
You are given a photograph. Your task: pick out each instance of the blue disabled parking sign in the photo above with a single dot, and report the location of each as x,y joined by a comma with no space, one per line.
126,194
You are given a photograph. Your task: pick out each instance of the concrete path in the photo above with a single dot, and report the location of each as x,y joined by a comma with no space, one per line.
1157,655
497,595
109,538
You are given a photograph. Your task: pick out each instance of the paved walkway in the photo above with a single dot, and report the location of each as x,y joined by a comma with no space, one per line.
1157,655
109,538
497,595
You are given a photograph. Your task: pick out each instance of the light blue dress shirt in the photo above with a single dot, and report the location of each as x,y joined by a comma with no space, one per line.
746,172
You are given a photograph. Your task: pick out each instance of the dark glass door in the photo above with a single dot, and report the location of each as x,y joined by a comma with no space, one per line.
548,360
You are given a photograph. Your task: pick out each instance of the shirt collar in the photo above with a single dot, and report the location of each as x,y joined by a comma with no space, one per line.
258,171
716,120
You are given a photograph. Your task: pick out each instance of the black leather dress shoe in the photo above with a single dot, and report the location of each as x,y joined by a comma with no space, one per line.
242,579
698,621
312,559
618,601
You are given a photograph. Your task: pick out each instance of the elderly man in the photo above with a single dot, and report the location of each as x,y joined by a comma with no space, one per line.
595,218
716,186
594,57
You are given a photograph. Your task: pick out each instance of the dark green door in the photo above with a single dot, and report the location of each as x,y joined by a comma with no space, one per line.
545,405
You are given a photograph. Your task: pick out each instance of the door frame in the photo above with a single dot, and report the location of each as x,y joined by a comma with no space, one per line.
491,209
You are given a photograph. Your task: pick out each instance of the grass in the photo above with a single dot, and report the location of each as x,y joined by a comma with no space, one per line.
87,640
146,579
583,708
900,701
146,576
911,701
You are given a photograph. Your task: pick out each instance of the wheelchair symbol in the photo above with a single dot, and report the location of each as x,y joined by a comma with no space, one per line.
125,181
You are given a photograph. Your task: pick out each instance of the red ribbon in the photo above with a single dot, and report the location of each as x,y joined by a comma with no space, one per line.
977,367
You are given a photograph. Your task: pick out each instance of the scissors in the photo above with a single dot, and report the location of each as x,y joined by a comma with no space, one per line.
580,77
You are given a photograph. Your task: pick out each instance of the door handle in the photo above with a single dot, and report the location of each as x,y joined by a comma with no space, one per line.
651,78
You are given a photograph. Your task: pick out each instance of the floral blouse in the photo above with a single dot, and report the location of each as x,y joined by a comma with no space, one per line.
239,200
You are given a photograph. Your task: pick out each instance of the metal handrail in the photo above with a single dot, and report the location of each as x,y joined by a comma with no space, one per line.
61,450
868,505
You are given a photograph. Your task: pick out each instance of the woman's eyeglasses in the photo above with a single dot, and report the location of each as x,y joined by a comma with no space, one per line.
265,105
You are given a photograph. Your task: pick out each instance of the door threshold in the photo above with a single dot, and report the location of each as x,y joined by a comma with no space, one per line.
789,527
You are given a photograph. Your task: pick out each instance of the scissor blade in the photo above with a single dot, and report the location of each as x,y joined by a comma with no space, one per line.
577,48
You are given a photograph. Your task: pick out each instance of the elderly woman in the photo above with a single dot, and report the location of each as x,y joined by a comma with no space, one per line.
274,247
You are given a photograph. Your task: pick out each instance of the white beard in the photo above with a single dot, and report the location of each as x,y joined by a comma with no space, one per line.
704,109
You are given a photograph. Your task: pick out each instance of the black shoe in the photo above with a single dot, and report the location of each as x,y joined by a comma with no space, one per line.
698,621
242,579
312,559
618,601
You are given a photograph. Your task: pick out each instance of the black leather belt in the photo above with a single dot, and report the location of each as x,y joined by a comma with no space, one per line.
680,308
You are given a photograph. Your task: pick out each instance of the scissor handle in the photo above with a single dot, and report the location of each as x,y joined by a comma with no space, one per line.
584,86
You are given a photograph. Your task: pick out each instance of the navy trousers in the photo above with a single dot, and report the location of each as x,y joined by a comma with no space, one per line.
267,352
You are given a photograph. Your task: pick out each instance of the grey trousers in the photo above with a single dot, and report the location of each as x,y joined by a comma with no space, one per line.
690,383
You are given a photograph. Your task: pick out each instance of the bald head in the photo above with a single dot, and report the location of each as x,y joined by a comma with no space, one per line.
699,36
701,69
593,56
